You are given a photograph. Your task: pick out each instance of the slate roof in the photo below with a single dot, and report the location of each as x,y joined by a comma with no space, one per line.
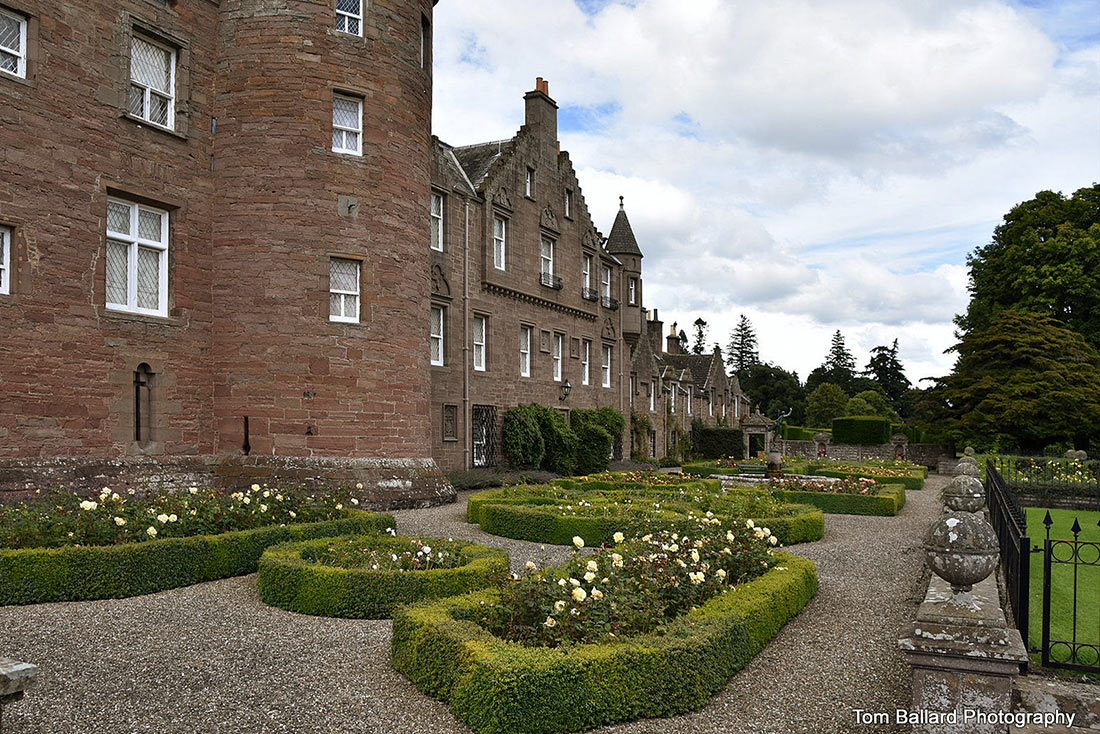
621,241
697,364
477,159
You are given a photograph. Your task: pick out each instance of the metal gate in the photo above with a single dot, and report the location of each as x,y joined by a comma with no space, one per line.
1081,651
484,435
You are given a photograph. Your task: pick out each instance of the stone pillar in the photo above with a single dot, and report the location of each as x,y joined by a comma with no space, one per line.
964,660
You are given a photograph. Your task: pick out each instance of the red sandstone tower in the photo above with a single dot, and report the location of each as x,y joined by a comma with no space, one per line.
286,152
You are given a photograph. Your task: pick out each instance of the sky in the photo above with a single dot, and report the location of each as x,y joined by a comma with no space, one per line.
816,165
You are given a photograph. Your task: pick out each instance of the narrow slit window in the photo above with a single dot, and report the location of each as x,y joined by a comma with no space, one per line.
5,260
481,329
437,222
437,335
500,243
525,351
586,362
556,356
143,404
606,365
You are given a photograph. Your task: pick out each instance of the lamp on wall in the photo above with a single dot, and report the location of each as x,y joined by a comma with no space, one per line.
566,388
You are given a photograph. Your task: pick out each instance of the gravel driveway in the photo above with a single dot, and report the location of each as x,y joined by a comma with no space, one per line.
213,658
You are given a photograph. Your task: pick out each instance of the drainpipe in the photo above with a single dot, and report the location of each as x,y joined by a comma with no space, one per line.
466,413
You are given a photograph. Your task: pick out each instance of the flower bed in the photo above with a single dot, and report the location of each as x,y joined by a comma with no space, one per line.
594,511
80,573
499,686
367,577
902,473
848,496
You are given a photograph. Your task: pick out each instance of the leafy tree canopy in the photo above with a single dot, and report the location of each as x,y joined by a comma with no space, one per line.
774,390
1044,258
742,350
873,402
1025,380
826,402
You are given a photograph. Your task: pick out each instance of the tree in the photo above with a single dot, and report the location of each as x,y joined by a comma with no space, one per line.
774,390
1044,258
700,337
885,368
1026,380
683,339
742,350
872,402
839,368
826,402
858,406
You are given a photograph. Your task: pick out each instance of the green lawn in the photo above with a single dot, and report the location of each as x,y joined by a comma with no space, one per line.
1061,590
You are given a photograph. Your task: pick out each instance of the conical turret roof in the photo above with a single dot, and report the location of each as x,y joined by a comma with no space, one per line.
621,241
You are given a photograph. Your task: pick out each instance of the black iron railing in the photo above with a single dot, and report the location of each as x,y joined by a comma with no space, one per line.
1010,523
1046,482
550,281
610,303
590,294
1075,644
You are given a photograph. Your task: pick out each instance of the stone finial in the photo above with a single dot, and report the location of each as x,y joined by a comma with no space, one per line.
967,460
1080,455
967,468
969,451
1071,454
962,549
964,494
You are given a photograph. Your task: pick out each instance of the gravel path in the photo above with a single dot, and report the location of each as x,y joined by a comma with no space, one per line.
213,658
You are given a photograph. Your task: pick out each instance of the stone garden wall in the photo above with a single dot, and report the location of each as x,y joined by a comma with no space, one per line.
918,453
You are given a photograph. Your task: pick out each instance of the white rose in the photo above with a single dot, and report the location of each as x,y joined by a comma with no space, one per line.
530,566
597,594
162,518
358,485
562,582
592,566
120,521
426,549
550,622
618,537
559,605
589,576
578,541
172,518
580,594
574,582
749,524
246,500
151,531
694,555
354,501
773,540
339,505
255,488
193,490
720,573
88,505
293,514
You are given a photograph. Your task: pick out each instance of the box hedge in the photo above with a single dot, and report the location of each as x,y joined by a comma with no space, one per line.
861,430
711,442
537,519
498,687
287,579
887,502
81,573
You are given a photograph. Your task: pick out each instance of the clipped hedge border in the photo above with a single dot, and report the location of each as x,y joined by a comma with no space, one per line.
288,581
82,573
523,519
887,502
915,480
498,687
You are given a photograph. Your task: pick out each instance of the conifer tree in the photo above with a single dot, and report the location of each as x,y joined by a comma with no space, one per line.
742,351
700,336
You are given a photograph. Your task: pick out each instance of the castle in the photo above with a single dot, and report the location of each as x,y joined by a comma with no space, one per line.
231,251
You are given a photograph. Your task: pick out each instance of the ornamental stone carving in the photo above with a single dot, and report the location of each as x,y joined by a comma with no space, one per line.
549,219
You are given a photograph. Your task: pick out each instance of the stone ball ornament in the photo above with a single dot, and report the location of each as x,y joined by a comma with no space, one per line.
1080,455
968,460
964,493
967,469
962,549
969,451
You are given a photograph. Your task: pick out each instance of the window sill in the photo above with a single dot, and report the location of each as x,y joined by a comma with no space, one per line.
142,122
137,318
26,81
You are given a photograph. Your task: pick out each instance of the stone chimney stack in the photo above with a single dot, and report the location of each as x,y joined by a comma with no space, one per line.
654,328
541,116
672,341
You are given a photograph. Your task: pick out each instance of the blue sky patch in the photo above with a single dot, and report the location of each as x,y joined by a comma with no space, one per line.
581,118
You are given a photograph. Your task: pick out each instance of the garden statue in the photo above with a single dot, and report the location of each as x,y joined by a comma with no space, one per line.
778,427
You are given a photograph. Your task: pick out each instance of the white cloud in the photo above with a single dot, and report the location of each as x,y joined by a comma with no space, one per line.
817,164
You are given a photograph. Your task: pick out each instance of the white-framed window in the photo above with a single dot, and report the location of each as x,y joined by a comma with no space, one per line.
586,272
525,351
546,259
500,242
691,397
5,260
529,183
349,16
343,290
672,393
481,333
631,394
437,222
568,203
653,444
710,405
137,258
555,355
605,282
13,44
586,362
437,335
652,397
607,365
632,291
347,124
152,81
